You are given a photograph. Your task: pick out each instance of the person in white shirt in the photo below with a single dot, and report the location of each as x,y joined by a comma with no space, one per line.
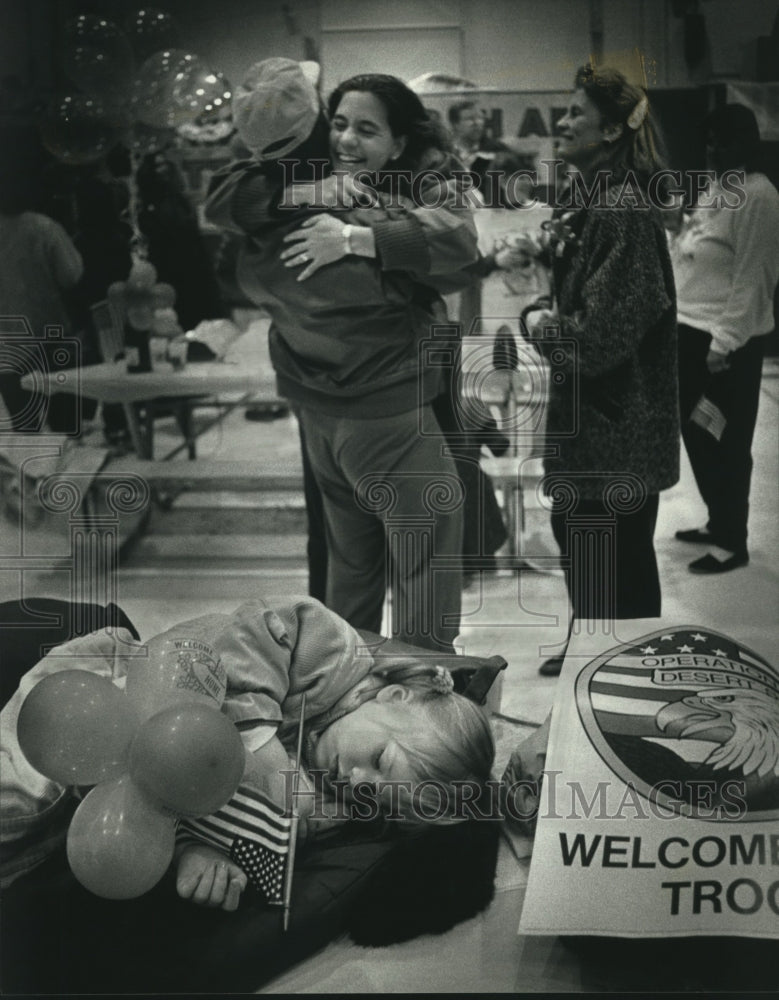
726,267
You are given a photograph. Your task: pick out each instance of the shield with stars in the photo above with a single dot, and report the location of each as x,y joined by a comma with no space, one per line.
689,718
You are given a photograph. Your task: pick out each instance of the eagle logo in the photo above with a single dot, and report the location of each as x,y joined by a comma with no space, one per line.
751,716
685,708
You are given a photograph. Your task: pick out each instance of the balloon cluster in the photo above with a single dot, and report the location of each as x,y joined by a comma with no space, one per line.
158,751
146,303
130,82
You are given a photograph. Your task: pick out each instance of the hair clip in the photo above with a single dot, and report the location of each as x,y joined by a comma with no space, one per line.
638,114
441,680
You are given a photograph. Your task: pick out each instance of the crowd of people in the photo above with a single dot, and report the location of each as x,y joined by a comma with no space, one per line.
355,217
616,438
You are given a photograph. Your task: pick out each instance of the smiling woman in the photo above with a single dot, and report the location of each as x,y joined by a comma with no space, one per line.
352,286
360,135
615,313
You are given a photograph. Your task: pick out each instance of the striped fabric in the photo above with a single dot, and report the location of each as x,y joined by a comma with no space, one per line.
253,831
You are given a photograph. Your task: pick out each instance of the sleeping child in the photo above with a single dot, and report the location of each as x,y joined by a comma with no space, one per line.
383,727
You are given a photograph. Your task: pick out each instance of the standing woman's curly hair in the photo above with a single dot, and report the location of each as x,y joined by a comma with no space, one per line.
406,116
640,146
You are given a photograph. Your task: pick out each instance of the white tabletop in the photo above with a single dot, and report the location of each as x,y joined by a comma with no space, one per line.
110,382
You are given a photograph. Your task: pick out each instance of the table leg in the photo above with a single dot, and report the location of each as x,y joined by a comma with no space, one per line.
140,444
184,417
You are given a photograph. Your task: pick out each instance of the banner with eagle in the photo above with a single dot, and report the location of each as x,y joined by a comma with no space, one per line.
659,807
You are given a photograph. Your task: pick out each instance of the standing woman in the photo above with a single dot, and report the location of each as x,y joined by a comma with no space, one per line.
377,452
613,423
352,306
726,263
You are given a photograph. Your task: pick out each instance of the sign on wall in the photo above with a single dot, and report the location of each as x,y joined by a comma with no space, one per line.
526,121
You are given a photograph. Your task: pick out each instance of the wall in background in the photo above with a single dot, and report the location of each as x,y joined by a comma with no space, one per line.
509,44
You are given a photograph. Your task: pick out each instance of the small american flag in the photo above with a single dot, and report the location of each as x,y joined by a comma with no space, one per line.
709,417
256,834
264,867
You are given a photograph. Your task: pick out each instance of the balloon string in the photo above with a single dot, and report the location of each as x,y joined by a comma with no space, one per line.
138,245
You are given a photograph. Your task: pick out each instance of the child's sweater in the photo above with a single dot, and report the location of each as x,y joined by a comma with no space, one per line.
272,654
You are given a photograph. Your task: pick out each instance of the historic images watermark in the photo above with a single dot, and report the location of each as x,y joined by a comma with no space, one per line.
431,188
523,801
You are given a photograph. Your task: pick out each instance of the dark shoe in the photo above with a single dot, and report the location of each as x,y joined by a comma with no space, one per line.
710,564
552,666
264,412
696,536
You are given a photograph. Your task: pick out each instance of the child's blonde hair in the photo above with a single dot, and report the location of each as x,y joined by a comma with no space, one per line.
458,749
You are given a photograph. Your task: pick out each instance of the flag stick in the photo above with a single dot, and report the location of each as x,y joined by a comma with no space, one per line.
293,833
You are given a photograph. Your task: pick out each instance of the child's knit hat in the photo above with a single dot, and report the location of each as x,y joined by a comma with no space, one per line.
276,106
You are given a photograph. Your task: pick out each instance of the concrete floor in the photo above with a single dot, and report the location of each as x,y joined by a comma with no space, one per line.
213,551
210,553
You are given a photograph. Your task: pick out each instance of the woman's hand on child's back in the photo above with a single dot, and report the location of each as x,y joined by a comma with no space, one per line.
318,242
209,878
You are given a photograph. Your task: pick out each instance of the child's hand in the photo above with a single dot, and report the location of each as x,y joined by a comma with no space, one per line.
210,878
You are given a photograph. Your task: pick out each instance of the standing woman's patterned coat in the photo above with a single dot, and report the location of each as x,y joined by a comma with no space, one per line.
612,409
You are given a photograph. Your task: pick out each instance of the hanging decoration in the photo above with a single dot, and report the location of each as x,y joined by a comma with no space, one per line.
78,128
97,58
131,83
157,83
150,30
